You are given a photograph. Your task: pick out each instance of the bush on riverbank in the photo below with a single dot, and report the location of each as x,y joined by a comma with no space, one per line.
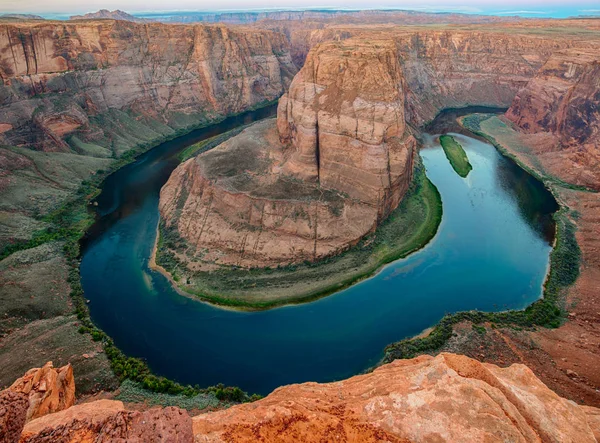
565,260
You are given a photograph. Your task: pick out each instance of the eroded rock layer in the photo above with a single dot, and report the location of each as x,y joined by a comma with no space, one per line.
454,67
563,101
48,389
102,80
343,122
448,398
336,163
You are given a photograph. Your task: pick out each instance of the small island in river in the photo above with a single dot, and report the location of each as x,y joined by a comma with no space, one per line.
456,155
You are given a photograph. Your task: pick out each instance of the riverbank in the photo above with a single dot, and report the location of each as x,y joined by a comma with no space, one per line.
554,336
409,228
48,308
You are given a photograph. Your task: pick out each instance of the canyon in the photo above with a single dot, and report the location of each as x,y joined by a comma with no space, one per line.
337,161
339,158
79,99
559,111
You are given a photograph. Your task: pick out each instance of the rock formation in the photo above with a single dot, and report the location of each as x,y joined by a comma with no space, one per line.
563,100
445,398
109,421
47,389
116,84
455,67
337,161
13,412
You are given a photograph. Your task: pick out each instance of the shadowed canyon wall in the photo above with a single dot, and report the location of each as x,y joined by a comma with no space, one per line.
103,82
560,108
456,67
75,97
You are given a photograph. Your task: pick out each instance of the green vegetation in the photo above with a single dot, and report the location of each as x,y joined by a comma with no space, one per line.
412,225
132,392
209,143
548,311
456,155
475,123
564,270
68,221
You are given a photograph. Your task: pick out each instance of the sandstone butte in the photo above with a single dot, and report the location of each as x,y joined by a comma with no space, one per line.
336,162
264,212
446,398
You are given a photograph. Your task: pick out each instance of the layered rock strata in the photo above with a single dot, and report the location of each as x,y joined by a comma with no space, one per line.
448,398
48,389
562,101
102,80
456,66
337,161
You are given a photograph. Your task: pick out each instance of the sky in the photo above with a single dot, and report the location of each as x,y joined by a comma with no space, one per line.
527,8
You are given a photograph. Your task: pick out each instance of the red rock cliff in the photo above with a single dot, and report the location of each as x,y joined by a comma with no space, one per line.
479,65
343,121
105,81
563,100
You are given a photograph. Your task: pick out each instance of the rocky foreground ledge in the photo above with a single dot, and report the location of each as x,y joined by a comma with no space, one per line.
445,398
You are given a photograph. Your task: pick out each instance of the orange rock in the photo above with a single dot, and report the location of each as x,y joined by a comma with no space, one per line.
48,389
108,421
445,398
13,412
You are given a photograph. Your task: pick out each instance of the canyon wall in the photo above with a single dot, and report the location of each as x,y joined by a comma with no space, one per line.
560,109
74,97
338,160
455,67
444,398
72,85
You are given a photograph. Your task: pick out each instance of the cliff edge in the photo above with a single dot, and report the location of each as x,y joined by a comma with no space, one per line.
448,398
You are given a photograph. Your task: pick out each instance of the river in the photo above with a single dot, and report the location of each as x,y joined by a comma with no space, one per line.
491,253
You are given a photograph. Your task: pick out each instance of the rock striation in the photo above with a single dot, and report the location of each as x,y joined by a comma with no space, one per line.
458,66
447,398
336,162
563,100
116,84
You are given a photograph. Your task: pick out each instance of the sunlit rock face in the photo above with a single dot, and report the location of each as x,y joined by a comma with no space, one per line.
334,164
343,122
448,398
